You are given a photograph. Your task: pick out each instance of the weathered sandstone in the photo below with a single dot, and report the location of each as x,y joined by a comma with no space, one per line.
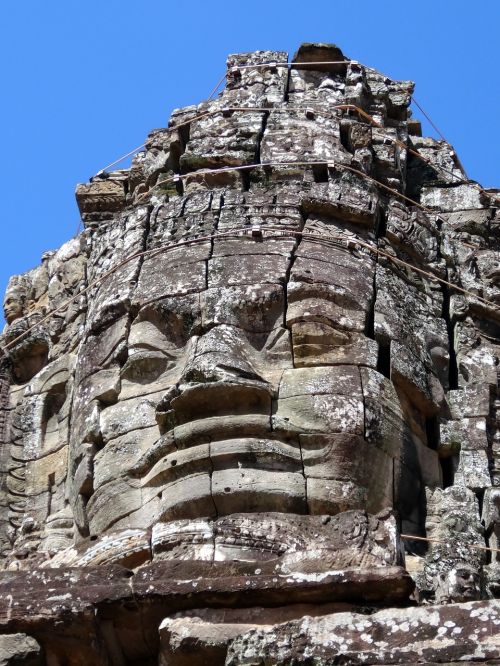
250,415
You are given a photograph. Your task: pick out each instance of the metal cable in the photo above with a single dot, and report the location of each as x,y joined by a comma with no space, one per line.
447,543
346,107
143,145
123,157
357,109
429,119
293,63
346,243
246,167
216,87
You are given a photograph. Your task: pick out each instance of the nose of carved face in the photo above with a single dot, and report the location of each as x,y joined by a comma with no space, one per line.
221,355
219,392
219,415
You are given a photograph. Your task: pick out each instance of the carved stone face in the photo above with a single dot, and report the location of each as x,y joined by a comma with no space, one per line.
246,381
459,584
267,366
13,305
286,370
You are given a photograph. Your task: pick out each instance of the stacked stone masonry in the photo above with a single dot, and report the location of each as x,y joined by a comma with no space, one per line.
272,351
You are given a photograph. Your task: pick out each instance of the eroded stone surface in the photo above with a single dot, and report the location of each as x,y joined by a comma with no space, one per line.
434,634
257,373
19,650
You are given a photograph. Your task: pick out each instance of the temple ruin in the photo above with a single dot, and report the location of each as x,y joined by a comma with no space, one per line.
250,414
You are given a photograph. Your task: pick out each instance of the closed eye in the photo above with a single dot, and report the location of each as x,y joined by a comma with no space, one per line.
318,333
143,366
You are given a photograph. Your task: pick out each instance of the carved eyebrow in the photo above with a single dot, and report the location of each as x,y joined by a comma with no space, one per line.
157,331
337,295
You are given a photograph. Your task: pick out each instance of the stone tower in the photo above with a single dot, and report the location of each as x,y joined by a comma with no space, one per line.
249,414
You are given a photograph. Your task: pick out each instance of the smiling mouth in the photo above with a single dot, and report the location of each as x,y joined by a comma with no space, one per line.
222,398
204,413
240,442
227,476
224,456
10,310
215,428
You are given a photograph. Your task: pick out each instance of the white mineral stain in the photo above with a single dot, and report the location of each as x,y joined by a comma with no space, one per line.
362,625
59,597
312,577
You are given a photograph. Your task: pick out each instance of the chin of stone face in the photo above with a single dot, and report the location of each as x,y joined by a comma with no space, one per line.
249,414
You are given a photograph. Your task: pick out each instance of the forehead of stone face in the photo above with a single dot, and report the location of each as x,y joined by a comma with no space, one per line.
245,260
464,570
237,281
205,230
329,280
16,291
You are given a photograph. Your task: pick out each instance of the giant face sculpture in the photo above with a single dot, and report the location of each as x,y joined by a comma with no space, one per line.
245,373
241,372
256,350
14,301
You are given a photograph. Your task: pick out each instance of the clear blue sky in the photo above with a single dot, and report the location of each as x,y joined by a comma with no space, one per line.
84,82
